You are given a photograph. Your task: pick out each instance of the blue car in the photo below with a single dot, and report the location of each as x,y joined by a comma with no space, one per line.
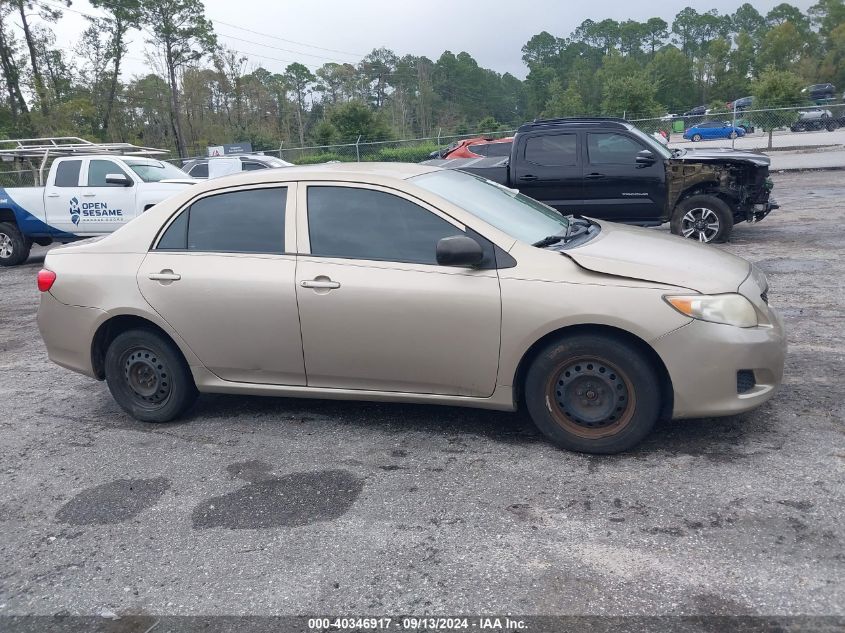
713,129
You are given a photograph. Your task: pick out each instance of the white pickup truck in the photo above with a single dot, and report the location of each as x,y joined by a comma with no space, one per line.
84,196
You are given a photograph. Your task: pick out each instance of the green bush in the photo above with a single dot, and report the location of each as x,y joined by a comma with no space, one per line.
413,154
314,159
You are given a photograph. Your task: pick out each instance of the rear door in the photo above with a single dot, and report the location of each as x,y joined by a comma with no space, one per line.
615,187
61,198
547,167
222,275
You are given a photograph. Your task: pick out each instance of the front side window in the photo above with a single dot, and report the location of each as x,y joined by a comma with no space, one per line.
610,148
252,166
552,150
67,173
354,223
97,171
249,221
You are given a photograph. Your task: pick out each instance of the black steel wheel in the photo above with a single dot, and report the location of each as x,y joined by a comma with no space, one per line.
593,393
148,376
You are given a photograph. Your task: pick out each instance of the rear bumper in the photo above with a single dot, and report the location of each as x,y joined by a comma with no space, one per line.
68,332
703,360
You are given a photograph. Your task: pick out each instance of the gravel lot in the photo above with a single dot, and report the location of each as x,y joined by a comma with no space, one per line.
273,506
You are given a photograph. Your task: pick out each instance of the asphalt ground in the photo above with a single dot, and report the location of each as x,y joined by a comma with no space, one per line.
276,506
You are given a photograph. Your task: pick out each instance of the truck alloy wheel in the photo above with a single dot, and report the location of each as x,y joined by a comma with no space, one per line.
14,247
700,223
704,218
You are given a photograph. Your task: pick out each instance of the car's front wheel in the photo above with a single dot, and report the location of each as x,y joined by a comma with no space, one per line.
696,137
148,376
703,218
733,134
14,247
593,394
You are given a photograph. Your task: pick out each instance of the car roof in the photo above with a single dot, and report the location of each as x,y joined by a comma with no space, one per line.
601,122
353,172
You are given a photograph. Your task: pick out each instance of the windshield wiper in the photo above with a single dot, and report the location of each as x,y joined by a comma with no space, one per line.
553,239
575,227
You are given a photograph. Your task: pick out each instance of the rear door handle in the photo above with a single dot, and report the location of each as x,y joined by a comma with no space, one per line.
594,176
165,275
529,178
52,195
88,195
326,284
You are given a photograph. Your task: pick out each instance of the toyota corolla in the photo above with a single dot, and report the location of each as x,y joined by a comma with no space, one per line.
408,283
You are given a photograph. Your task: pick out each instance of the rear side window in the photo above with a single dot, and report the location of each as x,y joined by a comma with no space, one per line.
610,148
366,224
552,150
252,166
67,173
97,171
250,221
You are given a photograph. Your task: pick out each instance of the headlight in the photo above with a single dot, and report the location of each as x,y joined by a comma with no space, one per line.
730,309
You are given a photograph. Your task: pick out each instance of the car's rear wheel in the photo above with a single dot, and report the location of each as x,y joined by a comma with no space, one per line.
148,376
593,394
696,137
14,247
703,218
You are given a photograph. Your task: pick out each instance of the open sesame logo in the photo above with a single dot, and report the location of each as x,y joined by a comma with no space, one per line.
74,211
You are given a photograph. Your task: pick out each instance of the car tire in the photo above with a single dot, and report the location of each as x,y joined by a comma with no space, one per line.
14,247
695,217
830,125
148,376
696,138
733,134
593,393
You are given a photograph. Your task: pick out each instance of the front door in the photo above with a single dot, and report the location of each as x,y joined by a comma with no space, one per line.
377,311
548,168
105,207
615,187
222,275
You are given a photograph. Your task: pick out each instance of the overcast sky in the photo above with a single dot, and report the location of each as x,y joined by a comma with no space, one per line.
492,31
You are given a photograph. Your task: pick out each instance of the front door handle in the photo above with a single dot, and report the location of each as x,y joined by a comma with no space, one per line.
165,275
594,176
88,195
52,195
529,178
324,284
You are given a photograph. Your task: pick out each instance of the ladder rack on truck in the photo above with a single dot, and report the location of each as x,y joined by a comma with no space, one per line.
43,149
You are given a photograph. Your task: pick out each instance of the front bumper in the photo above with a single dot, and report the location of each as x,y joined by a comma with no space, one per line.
759,211
703,360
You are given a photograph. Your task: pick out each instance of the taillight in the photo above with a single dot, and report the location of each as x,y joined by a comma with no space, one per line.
45,279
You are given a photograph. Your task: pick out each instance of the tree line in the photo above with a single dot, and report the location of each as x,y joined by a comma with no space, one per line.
200,91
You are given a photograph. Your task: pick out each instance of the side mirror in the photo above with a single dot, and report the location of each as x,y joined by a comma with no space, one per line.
459,250
645,158
121,180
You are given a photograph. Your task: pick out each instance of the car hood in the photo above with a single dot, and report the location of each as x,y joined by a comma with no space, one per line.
651,255
722,154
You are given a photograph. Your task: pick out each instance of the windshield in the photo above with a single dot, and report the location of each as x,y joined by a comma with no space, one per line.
653,144
155,170
517,215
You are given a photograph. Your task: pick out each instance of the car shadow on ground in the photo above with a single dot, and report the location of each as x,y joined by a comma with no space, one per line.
716,439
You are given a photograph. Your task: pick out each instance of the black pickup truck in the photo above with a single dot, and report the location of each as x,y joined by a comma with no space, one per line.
609,169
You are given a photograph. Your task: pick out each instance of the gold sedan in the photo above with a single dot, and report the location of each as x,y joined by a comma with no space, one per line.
408,283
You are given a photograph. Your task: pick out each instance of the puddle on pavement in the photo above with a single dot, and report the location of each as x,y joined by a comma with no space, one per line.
113,502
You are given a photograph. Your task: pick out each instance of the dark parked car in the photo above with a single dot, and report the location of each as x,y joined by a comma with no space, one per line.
815,119
820,92
696,111
740,104
607,168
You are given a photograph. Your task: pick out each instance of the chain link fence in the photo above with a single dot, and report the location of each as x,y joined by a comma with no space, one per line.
791,126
